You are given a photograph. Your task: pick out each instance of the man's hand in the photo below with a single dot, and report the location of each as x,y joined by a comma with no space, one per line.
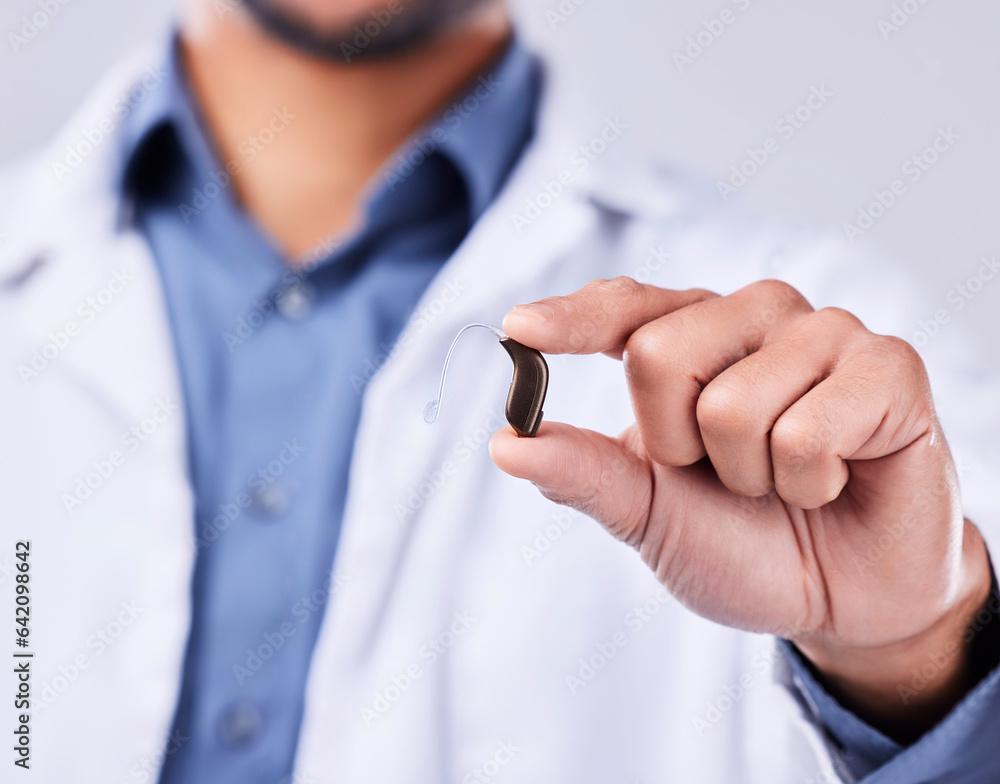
786,473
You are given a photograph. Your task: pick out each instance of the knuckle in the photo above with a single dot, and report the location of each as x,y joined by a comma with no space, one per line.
624,286
662,454
600,305
683,452
896,355
649,348
749,487
721,409
700,295
622,294
899,349
836,320
795,445
779,293
820,488
811,498
612,293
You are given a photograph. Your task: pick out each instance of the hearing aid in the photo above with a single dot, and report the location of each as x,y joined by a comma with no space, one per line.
528,385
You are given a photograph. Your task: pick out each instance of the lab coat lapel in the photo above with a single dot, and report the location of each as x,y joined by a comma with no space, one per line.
394,449
100,467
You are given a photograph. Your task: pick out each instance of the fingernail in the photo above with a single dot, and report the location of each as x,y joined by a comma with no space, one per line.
536,311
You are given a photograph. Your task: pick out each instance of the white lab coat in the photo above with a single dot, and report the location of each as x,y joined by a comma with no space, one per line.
476,630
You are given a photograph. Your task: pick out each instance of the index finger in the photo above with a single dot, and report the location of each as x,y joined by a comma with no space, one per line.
599,318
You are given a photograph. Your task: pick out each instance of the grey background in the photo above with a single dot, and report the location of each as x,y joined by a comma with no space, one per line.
890,97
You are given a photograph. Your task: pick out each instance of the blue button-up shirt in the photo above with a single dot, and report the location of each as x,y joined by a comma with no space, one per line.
274,359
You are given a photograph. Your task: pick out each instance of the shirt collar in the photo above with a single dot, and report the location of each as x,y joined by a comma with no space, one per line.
482,132
170,108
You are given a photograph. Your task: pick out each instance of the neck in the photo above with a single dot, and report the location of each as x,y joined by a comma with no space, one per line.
311,134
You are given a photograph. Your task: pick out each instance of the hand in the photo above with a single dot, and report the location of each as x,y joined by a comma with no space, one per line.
786,473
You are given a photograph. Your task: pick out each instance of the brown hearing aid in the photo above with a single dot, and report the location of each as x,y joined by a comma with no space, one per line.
527,386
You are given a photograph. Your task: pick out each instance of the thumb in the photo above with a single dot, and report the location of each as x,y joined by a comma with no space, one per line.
582,469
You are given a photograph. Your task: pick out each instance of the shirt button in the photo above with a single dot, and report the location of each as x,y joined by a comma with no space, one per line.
270,500
296,302
241,724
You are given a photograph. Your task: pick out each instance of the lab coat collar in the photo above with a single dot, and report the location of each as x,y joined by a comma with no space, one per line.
59,267
69,256
621,177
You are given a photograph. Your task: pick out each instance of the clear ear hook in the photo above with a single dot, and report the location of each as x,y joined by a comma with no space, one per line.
527,386
432,409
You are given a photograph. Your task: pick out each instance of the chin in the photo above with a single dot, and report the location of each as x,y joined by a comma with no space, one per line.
329,29
330,16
